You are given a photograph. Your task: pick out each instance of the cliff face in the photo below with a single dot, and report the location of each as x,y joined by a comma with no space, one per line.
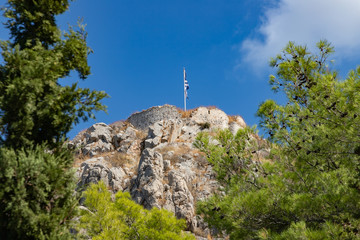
151,155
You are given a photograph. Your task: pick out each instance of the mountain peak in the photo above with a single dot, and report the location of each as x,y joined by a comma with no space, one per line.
151,155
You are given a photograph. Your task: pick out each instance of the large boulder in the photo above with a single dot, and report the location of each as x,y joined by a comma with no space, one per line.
128,141
212,116
165,131
189,132
99,132
147,189
181,199
97,169
96,139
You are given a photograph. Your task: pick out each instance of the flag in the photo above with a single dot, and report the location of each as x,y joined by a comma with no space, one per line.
186,85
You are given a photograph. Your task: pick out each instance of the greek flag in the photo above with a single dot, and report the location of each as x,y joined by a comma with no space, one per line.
186,85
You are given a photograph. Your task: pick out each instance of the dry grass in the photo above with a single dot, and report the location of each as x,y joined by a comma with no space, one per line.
196,185
232,118
120,125
162,201
188,113
164,150
141,135
79,159
210,107
119,159
193,188
117,125
116,159
201,233
200,159
178,153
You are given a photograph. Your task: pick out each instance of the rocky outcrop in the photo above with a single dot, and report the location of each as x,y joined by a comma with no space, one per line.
180,199
96,139
101,138
96,169
151,155
164,131
128,141
214,117
148,187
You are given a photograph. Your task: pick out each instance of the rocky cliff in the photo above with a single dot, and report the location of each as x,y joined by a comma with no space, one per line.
151,155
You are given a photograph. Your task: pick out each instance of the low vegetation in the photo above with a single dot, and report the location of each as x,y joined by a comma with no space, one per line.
310,186
124,219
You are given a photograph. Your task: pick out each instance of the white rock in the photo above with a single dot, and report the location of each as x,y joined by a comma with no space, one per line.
215,117
99,131
165,131
148,188
189,132
96,169
182,199
239,120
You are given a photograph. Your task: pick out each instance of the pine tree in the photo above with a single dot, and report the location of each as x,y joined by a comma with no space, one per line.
125,219
310,187
37,199
34,106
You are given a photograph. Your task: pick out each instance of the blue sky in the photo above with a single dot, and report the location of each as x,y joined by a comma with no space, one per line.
140,49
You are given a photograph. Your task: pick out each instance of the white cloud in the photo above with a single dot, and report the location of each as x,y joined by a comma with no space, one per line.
305,22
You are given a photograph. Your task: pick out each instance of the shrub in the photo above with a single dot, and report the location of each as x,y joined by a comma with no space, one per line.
37,193
124,219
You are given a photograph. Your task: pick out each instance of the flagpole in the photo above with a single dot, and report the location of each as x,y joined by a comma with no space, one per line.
184,90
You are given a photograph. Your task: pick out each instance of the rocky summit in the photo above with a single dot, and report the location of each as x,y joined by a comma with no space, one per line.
151,155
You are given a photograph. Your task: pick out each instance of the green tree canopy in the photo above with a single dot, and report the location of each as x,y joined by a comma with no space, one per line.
34,106
124,219
32,21
310,186
37,198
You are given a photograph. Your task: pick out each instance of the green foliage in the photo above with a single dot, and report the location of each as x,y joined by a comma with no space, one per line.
34,106
31,21
124,219
37,193
310,188
37,198
230,155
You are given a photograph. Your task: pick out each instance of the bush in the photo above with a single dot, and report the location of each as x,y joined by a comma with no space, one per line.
124,219
37,193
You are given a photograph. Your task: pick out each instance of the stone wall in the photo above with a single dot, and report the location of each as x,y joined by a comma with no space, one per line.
143,120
